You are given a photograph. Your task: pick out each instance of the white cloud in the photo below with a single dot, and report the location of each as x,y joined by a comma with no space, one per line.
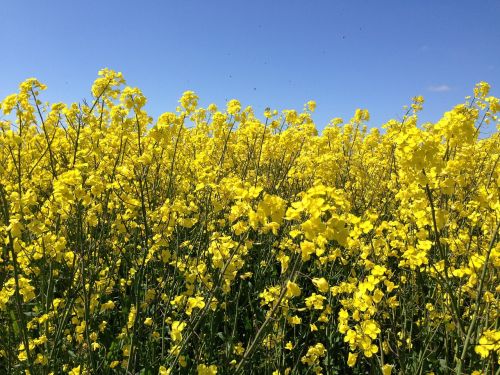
439,88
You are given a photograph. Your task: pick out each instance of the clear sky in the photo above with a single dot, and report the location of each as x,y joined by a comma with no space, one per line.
276,53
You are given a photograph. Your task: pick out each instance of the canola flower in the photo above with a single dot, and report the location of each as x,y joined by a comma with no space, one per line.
212,242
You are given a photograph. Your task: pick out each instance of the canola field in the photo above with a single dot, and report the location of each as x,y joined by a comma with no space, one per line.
210,241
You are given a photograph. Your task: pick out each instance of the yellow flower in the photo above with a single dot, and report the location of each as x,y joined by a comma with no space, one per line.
315,301
387,369
41,359
321,284
292,289
131,317
110,305
294,320
488,342
239,349
314,353
352,358
233,107
311,105
207,370
9,103
361,115
189,101
308,248
370,328
194,303
378,295
482,89
177,328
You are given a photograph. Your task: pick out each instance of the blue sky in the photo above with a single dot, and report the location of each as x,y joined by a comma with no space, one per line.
343,54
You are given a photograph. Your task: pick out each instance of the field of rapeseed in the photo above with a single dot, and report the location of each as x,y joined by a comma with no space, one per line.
212,242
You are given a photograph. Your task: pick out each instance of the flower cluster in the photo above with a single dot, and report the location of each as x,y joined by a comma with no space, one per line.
212,242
